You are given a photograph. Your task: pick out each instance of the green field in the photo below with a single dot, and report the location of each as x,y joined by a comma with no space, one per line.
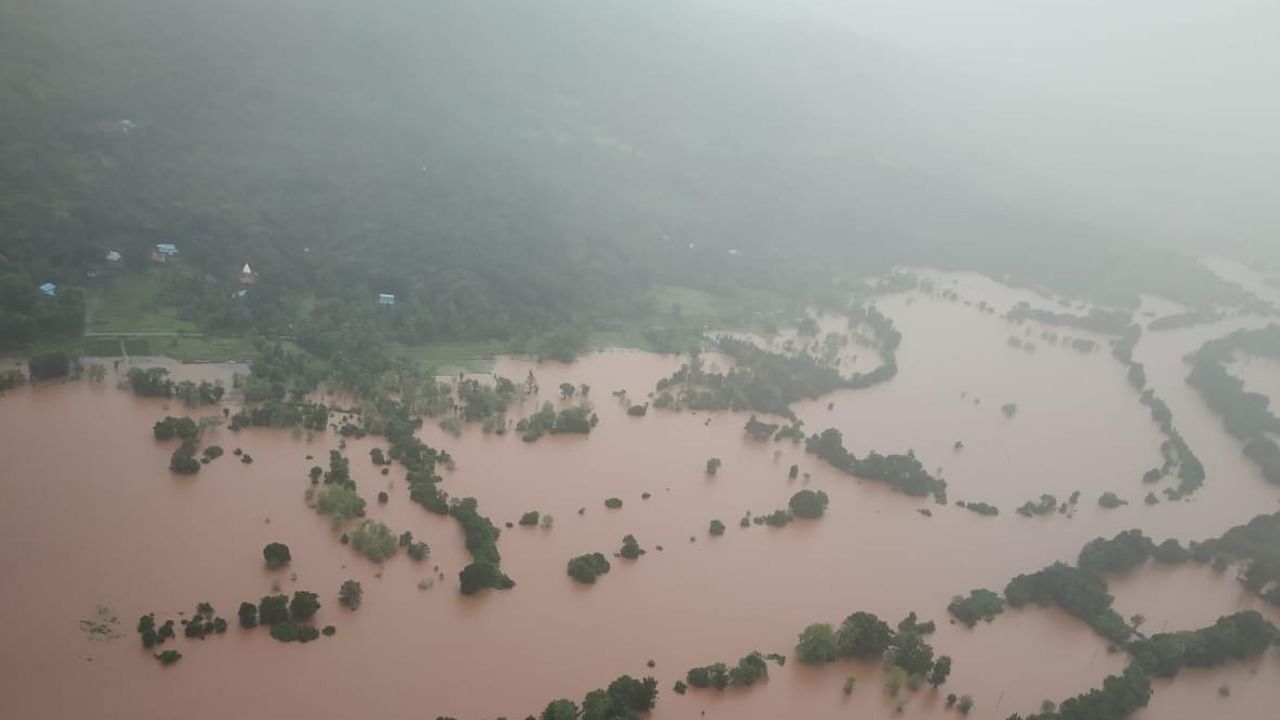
134,302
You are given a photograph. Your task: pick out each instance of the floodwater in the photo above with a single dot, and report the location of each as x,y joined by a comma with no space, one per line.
93,517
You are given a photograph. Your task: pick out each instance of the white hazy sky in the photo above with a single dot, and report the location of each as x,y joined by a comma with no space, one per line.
1167,111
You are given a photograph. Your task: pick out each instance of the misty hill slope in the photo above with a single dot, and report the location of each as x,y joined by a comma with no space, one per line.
504,164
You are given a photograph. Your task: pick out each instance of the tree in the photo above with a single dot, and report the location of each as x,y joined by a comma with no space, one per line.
586,568
808,504
713,466
248,615
912,654
561,709
350,594
629,695
304,605
374,540
530,518
717,527
863,635
818,644
980,605
482,574
273,609
183,460
941,669
567,390
276,554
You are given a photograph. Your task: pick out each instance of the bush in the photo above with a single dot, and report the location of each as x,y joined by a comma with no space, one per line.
717,528
613,503
530,518
713,466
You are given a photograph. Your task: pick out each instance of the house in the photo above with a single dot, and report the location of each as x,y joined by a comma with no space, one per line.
247,275
113,256
48,289
164,251
386,299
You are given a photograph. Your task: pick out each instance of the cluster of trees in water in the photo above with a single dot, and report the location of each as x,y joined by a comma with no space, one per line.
625,699
1177,455
1099,321
287,618
1246,415
586,568
759,430
1082,592
1256,546
981,508
155,382
769,382
750,669
579,419
865,636
904,473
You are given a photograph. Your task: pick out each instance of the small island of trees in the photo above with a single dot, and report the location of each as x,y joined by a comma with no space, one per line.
586,568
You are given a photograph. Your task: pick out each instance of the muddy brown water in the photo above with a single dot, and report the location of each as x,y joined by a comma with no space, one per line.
94,517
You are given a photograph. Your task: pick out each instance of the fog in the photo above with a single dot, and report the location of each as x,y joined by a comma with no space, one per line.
1153,118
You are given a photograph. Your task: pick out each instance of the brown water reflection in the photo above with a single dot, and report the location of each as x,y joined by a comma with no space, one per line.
93,517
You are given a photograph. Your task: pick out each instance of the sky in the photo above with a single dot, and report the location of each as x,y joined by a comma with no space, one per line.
1160,115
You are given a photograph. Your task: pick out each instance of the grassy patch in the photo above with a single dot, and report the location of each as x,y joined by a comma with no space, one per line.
134,302
446,357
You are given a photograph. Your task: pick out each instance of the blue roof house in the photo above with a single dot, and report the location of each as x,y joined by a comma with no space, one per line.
386,299
167,249
48,289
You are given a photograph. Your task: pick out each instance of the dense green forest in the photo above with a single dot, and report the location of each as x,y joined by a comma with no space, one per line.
503,169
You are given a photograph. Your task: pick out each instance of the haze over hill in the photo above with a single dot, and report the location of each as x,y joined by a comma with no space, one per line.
465,154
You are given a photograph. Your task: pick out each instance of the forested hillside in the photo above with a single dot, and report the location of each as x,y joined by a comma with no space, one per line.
501,167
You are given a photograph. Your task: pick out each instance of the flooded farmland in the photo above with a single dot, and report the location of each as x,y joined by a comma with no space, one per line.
109,525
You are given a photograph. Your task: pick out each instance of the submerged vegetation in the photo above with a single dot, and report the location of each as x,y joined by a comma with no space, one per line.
903,473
